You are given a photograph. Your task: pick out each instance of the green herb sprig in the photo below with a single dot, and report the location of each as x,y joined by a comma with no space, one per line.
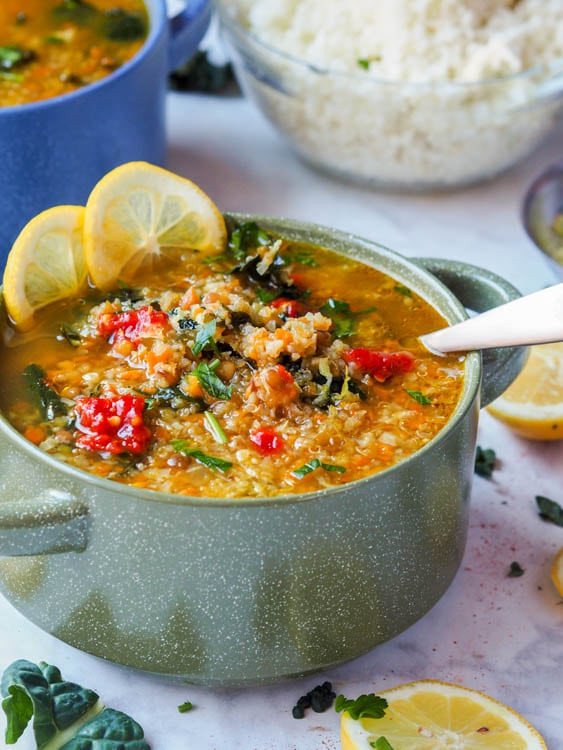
368,706
205,338
343,318
211,383
211,462
419,397
183,708
381,743
550,510
485,461
50,403
215,428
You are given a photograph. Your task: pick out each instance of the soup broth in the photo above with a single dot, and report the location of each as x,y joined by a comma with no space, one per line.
277,368
53,47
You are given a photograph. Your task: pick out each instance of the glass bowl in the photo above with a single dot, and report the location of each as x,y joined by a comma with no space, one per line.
390,134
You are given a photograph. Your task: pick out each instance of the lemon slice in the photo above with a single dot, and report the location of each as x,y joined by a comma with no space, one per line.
557,572
533,404
139,215
46,263
429,714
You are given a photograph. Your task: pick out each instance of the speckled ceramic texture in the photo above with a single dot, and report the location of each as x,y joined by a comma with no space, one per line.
237,592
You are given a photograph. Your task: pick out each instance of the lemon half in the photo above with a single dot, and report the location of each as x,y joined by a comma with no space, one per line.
429,714
533,405
46,263
139,215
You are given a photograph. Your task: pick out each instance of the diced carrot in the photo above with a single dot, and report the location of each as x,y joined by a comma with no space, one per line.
35,434
189,298
193,387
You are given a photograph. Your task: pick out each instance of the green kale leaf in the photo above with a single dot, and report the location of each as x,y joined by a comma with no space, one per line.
550,510
109,730
48,400
40,692
246,239
365,706
485,460
343,318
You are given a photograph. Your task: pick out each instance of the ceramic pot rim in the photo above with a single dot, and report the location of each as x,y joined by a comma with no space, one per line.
404,270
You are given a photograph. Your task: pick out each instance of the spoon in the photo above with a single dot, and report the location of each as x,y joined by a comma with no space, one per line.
542,203
536,318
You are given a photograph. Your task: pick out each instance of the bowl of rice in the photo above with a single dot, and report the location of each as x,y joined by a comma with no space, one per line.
402,94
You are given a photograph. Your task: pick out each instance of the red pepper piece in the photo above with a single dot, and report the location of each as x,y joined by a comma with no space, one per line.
291,308
380,365
267,441
133,324
112,425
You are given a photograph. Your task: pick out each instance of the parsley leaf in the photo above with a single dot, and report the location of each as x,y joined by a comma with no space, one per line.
550,510
205,337
343,318
485,460
210,382
185,707
313,465
381,743
419,397
212,462
516,570
369,706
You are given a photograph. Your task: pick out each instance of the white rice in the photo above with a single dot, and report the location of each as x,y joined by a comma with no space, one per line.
438,123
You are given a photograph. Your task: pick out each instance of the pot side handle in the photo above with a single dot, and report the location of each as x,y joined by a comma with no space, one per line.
480,290
53,522
186,30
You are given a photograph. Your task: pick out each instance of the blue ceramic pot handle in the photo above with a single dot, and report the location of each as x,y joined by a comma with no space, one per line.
57,522
480,290
186,30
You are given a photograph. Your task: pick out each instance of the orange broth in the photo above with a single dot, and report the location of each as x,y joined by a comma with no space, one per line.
53,47
245,376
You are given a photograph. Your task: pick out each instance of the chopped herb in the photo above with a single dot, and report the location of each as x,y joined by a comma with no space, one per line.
313,465
550,510
343,318
369,706
419,397
120,25
320,699
485,460
70,335
381,743
199,74
363,63
185,707
172,396
212,383
212,462
12,56
515,571
265,295
215,258
205,337
75,11
15,77
304,257
54,39
215,428
49,401
404,290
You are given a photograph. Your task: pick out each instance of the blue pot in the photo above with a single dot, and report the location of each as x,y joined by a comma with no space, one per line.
54,151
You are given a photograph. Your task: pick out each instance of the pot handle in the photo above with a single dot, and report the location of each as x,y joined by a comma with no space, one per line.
53,522
480,290
187,29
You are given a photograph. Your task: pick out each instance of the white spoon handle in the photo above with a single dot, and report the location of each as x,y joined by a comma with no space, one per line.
534,319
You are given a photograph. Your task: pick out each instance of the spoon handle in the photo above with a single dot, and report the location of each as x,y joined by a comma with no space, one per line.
534,319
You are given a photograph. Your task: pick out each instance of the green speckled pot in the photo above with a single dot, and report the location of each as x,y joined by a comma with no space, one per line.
250,591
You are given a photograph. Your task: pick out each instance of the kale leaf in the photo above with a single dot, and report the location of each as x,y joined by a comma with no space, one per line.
343,318
120,25
48,400
110,730
247,238
550,510
485,460
40,692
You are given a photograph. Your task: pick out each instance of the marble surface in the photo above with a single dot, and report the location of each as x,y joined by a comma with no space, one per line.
491,632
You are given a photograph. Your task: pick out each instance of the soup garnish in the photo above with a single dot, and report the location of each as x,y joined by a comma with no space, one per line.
53,47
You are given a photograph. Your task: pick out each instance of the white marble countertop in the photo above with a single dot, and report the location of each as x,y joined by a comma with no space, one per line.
491,632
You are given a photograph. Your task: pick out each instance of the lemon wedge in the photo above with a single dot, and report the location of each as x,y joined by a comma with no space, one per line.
429,714
557,572
139,215
46,263
533,405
